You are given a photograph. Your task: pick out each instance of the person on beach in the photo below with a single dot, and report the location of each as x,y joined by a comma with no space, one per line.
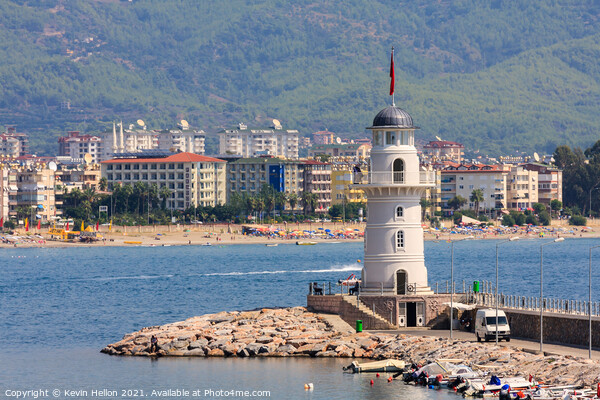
153,344
355,288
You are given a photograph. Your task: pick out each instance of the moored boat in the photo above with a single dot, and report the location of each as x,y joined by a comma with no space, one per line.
377,366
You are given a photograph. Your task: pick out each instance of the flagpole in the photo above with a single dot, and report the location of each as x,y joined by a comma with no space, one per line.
393,79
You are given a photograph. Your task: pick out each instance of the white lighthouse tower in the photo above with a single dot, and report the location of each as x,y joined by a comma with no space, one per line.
394,262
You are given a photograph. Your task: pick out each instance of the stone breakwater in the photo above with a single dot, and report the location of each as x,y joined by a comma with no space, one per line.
297,332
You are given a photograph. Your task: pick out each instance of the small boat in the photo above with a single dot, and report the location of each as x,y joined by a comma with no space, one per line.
207,244
377,366
306,243
132,242
272,244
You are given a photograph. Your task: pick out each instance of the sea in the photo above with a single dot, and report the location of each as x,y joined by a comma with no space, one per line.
60,306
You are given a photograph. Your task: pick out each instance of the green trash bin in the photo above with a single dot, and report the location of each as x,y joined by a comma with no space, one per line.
358,325
475,286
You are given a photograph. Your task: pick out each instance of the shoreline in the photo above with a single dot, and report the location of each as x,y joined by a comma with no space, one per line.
224,234
298,332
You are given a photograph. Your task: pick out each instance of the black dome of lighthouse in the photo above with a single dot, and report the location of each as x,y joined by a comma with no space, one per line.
392,117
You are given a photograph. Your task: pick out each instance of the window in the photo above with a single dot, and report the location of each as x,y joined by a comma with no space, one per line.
399,212
400,240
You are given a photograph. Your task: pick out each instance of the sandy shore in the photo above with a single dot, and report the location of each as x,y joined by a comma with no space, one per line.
227,234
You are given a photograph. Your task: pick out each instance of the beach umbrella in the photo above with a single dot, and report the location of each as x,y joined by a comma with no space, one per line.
327,230
39,225
26,225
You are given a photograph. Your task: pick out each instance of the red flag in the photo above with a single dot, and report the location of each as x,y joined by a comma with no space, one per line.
39,224
97,225
26,225
2,222
392,75
67,227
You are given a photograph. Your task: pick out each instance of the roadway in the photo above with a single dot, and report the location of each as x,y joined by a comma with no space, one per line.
528,345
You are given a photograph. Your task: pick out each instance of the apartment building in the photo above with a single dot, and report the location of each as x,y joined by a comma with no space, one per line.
194,180
461,179
549,182
522,188
13,143
323,137
444,150
341,189
77,146
317,180
134,139
181,139
346,151
248,175
255,142
31,188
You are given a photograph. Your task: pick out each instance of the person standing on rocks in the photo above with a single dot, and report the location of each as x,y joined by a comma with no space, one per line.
153,344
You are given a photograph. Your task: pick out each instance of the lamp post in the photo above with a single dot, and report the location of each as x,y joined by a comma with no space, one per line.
590,304
452,281
591,190
512,239
542,290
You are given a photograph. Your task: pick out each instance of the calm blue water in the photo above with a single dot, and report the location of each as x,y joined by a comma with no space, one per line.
59,307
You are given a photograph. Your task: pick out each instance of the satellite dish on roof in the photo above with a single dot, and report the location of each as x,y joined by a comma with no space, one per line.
338,140
536,157
141,122
184,124
52,166
552,159
87,158
438,138
276,124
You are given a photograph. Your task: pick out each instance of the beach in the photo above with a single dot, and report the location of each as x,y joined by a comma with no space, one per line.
325,232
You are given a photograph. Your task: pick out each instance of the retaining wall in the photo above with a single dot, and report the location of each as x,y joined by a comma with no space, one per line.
558,328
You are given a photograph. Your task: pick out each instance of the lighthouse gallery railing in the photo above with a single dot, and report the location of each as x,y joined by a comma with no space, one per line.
398,178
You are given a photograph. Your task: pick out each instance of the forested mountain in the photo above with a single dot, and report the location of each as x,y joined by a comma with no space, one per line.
495,75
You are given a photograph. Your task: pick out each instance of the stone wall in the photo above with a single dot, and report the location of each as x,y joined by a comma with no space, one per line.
334,304
558,328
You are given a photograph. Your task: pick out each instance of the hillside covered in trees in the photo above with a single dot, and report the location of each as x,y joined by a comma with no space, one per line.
496,75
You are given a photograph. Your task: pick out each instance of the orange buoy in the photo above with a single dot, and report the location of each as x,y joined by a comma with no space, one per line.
372,383
377,375
390,379
358,261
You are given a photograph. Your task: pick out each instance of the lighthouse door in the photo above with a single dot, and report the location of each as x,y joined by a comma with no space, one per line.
400,282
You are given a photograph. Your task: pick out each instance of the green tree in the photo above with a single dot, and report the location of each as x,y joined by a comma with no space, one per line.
538,208
293,201
103,184
545,218
457,202
477,197
578,220
508,220
556,205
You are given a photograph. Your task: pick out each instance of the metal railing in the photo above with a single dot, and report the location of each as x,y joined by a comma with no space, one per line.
486,297
399,177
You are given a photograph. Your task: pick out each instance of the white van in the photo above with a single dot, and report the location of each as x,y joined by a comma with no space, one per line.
485,325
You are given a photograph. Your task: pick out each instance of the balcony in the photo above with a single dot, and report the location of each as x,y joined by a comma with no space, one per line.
398,178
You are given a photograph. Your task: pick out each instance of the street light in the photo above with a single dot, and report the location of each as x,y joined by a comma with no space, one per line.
590,304
452,280
512,239
591,190
542,290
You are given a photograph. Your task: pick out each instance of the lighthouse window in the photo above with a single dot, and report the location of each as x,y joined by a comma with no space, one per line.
400,240
377,138
399,212
390,138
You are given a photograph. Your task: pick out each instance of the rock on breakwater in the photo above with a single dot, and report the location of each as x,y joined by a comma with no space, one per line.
298,332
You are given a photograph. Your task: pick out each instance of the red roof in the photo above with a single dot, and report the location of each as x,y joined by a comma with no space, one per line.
442,143
179,157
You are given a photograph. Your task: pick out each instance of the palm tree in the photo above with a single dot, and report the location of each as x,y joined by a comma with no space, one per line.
103,184
292,201
477,197
425,204
309,202
164,193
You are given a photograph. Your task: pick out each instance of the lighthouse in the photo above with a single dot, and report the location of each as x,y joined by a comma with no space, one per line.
394,262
